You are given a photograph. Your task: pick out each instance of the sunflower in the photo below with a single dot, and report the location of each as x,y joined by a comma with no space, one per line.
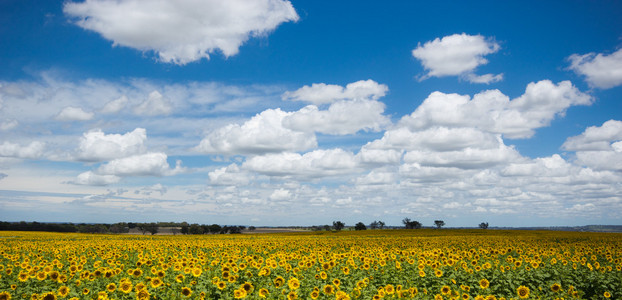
248,287
125,286
5,296
41,275
328,289
179,278
522,291
556,287
292,295
446,290
63,291
85,291
336,282
484,283
142,295
389,289
314,294
111,287
156,282
48,296
293,283
239,293
137,272
438,273
221,285
323,275
607,295
438,297
186,291
263,293
196,272
279,282
341,295
23,276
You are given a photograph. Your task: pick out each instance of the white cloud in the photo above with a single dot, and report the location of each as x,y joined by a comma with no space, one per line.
8,124
90,178
97,146
342,117
314,164
600,70
457,55
263,133
595,138
321,93
280,195
599,148
148,164
467,158
74,114
115,106
181,31
493,111
33,150
230,175
154,105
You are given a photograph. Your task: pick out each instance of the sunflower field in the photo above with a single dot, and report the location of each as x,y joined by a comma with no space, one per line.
372,264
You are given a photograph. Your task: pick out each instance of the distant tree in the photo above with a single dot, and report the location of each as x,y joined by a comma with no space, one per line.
251,228
360,226
119,228
184,228
142,227
338,225
408,224
483,225
326,227
195,229
381,224
374,225
439,223
175,230
153,228
235,229
214,228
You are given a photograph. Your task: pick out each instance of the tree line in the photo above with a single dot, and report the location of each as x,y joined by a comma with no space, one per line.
123,227
408,224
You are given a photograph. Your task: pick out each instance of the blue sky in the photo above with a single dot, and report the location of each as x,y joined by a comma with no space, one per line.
279,112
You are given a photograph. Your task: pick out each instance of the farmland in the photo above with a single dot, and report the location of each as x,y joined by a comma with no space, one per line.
413,264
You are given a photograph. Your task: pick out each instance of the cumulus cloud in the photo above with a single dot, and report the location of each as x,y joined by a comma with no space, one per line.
33,150
321,93
230,175
148,164
115,106
71,113
91,178
98,146
600,70
206,26
263,133
493,111
598,147
596,138
342,117
154,105
457,55
315,164
467,158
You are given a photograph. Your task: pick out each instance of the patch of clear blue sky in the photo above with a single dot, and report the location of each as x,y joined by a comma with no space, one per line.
338,42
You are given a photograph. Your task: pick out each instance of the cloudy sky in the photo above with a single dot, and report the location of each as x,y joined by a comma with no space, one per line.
273,112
